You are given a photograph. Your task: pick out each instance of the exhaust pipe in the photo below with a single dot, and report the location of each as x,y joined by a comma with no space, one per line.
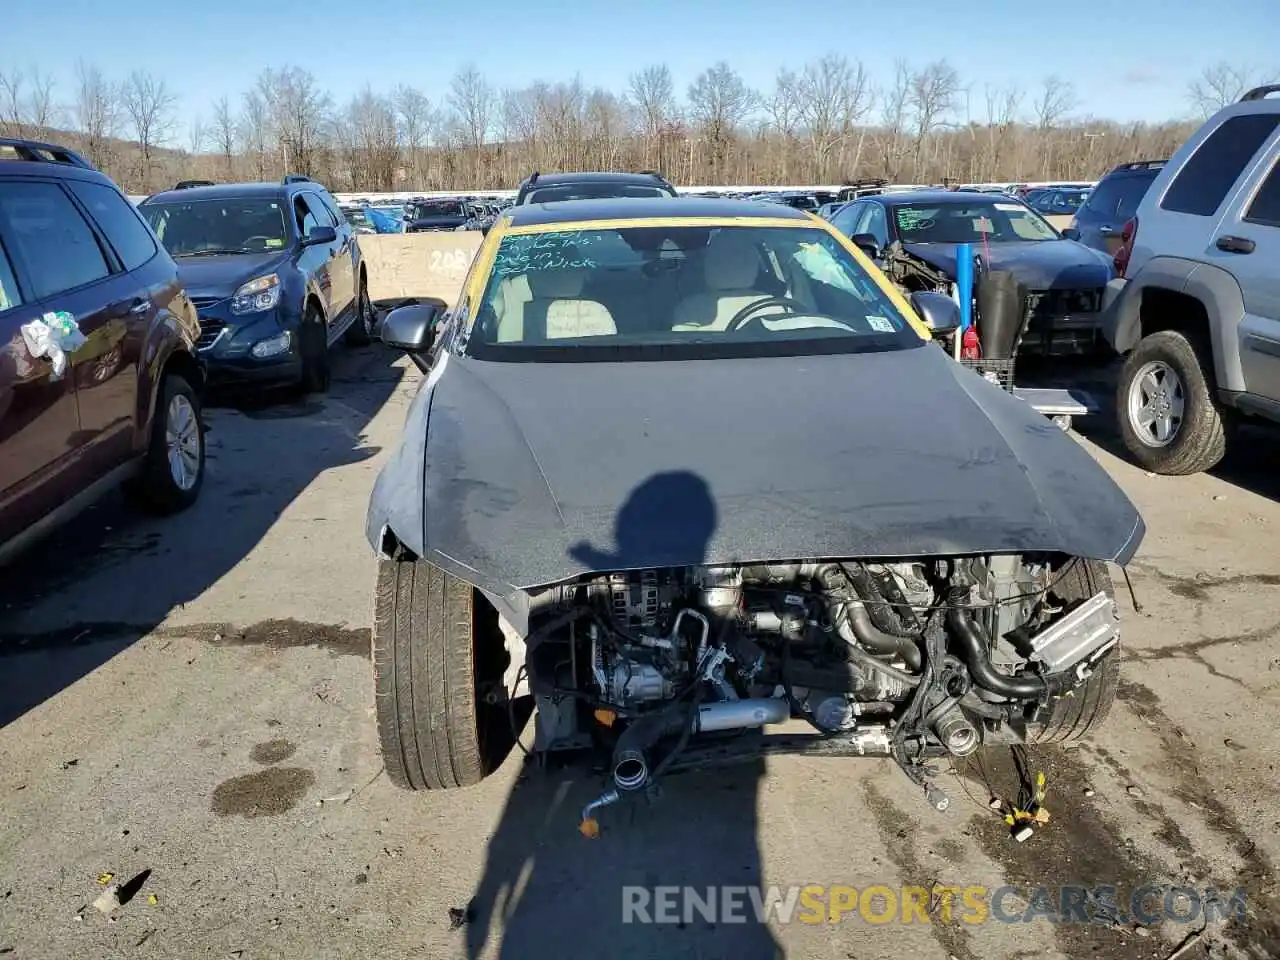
630,756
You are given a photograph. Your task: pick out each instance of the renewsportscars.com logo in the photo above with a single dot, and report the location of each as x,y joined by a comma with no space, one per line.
972,904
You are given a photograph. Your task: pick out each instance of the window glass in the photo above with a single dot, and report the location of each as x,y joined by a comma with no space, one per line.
978,221
118,219
9,296
1205,179
195,228
46,233
324,216
1265,208
877,224
848,218
644,287
335,212
305,217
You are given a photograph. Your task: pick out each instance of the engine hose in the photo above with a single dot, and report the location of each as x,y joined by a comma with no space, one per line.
971,639
856,618
862,658
882,615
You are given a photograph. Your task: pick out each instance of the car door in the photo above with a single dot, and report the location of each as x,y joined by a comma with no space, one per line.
345,265
316,260
50,260
1251,239
107,368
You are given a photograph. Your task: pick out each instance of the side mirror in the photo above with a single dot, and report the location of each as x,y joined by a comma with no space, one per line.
319,235
412,328
940,313
868,244
1071,233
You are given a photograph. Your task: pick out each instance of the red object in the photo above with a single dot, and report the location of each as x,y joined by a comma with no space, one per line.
970,345
1121,260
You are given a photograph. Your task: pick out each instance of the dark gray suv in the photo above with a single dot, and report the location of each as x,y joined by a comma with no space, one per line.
1111,204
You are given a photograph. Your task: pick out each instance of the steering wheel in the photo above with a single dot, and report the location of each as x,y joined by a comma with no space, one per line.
743,316
265,240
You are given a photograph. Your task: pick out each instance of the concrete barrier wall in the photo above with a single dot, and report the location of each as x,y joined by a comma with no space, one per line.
418,264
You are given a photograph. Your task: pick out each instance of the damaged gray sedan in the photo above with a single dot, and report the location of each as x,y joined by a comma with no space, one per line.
694,469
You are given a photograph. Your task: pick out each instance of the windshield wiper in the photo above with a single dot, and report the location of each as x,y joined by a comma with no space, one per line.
213,253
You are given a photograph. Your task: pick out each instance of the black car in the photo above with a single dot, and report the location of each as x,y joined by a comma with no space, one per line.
275,272
1112,203
423,216
551,187
914,236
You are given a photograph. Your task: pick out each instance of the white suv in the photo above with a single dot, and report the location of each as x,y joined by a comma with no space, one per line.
1196,306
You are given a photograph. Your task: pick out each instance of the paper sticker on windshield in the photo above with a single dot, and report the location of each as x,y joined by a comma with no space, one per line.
880,324
275,242
1011,207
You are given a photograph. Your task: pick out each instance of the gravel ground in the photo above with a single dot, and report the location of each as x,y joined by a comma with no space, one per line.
186,704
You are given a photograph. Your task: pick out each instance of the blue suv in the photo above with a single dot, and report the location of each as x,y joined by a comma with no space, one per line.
275,273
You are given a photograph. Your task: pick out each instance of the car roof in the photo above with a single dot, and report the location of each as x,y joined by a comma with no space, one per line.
552,179
649,208
228,191
939,197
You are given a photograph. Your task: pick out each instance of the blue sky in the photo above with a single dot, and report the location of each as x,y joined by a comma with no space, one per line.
1128,59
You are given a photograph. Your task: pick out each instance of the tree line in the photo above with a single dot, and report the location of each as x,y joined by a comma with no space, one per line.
826,121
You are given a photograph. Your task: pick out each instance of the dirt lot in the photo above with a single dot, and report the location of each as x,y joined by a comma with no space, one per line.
190,701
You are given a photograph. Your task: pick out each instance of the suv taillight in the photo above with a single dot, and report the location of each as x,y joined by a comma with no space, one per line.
1121,260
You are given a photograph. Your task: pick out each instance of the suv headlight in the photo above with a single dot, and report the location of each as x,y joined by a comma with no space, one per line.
257,295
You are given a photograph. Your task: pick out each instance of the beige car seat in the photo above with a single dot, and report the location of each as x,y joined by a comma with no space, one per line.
730,266
556,310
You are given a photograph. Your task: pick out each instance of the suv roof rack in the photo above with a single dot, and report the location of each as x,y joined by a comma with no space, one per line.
188,184
38,152
533,178
653,173
296,178
1260,93
1142,165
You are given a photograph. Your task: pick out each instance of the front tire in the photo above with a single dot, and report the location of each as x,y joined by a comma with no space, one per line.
173,471
424,670
1170,422
1078,714
313,345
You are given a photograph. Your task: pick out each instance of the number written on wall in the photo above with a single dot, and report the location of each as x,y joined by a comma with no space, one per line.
450,261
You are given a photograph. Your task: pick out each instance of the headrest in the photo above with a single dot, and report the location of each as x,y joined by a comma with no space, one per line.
730,262
562,284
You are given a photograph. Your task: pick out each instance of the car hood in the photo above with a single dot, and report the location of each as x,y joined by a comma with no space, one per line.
537,472
444,220
222,276
1038,264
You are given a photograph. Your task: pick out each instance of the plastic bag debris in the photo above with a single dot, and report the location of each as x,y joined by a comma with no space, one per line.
54,335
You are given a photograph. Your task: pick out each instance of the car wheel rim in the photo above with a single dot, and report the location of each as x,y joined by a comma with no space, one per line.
1156,404
182,438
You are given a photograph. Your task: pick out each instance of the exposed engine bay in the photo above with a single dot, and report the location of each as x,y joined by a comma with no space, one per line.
911,274
679,668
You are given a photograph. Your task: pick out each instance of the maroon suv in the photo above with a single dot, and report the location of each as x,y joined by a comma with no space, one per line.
127,407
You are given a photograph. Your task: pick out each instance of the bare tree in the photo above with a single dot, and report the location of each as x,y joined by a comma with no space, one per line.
254,129
1002,114
298,110
653,94
783,110
97,113
719,102
894,108
472,99
197,134
833,96
149,105
375,140
12,107
1057,99
41,110
224,132
931,96
1221,84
